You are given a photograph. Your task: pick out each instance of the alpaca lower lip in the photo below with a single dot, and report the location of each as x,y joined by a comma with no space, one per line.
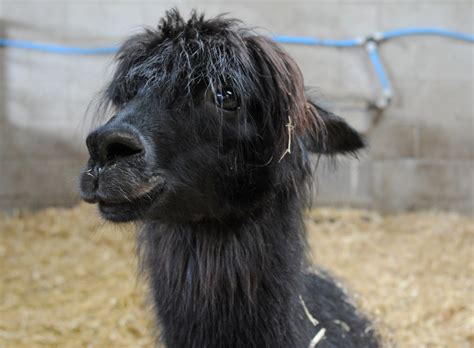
89,198
112,207
144,195
107,206
122,211
118,212
128,210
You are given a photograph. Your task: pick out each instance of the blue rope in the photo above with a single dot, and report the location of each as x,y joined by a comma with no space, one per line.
374,58
302,40
370,43
426,31
49,48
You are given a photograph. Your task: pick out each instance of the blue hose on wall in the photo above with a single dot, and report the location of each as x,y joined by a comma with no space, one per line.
370,42
57,49
426,31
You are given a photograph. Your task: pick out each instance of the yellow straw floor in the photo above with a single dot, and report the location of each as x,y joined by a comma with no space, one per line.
69,280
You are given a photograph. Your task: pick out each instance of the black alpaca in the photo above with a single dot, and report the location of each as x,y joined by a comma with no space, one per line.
207,152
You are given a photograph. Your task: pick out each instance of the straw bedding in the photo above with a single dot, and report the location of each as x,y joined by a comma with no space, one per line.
69,280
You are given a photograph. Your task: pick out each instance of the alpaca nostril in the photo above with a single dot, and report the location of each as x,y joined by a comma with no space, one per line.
117,150
119,145
114,144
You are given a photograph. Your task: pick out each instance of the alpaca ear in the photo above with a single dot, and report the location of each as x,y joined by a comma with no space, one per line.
335,135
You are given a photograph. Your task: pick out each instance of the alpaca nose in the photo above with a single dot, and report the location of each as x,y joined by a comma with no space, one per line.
112,144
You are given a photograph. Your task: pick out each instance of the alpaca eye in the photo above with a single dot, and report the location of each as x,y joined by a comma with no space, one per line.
226,99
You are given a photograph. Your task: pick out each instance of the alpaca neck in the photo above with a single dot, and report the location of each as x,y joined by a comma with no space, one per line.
227,284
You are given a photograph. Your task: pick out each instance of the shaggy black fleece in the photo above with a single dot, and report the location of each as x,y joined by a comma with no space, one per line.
207,152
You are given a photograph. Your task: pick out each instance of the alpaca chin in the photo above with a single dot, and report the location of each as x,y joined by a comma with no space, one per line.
122,212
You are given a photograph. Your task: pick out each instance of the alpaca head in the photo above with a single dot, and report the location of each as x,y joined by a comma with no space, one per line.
210,120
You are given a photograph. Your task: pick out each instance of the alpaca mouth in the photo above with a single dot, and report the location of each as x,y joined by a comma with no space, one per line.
100,185
144,191
121,203
130,209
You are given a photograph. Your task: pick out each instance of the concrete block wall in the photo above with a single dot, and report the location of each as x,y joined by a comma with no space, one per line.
421,151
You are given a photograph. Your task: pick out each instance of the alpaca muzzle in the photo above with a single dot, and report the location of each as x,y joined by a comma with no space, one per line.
119,169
